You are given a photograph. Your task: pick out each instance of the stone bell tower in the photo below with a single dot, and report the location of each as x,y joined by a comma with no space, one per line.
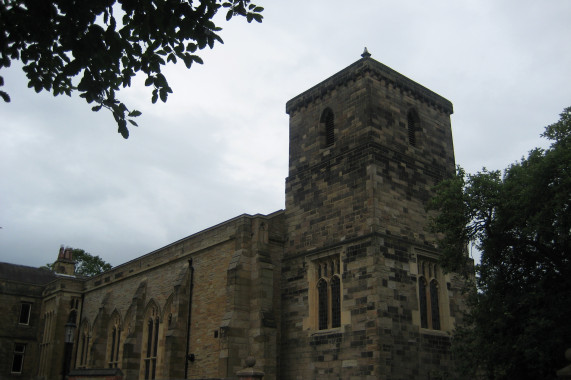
362,293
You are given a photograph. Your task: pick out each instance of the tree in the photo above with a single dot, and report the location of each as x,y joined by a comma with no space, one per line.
96,47
86,264
518,323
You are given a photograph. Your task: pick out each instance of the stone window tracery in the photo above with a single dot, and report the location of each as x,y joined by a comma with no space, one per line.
328,292
428,294
47,339
114,341
150,345
84,342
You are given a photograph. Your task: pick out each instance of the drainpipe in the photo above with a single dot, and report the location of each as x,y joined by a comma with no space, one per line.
189,357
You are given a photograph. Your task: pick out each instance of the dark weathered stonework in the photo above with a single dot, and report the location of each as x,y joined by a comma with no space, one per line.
364,198
354,223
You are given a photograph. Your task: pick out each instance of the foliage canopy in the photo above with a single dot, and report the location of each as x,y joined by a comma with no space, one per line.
521,223
96,47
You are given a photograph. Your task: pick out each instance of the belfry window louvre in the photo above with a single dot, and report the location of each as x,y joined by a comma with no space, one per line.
328,122
412,126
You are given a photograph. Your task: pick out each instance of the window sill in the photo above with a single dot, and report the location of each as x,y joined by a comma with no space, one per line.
434,332
325,332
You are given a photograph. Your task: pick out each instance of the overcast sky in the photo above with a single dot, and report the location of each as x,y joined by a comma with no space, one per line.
219,147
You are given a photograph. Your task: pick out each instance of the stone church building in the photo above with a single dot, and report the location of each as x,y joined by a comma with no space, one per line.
344,283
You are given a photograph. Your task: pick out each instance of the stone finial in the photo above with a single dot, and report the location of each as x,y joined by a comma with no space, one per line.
250,361
249,373
366,53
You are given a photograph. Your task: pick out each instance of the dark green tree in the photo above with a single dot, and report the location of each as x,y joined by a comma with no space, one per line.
86,264
96,47
518,323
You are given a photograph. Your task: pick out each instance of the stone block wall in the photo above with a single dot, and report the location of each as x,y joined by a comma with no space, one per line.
12,332
363,198
233,311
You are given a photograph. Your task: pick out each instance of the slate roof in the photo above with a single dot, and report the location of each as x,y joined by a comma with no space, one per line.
25,274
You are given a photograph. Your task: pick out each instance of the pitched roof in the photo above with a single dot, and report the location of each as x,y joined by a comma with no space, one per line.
368,65
25,274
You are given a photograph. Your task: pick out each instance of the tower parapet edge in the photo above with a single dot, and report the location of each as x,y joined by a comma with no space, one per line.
378,70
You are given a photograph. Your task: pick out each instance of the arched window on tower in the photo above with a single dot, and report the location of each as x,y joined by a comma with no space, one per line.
328,126
325,294
428,294
412,125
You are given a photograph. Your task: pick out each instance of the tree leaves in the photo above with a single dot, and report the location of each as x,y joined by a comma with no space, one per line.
521,222
81,46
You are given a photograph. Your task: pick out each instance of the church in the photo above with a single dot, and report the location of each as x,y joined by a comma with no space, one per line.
344,283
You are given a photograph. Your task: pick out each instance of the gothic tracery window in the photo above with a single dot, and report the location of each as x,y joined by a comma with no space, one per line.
150,346
428,295
114,341
328,293
84,341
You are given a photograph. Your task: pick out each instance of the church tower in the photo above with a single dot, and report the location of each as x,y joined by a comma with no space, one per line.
362,293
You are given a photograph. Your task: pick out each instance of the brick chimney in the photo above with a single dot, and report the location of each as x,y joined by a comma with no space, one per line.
64,263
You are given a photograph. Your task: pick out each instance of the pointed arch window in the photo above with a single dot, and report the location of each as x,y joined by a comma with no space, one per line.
328,124
150,358
84,341
428,295
114,341
115,345
328,289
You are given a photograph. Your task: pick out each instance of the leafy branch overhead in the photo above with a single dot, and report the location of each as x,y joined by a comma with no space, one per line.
97,47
